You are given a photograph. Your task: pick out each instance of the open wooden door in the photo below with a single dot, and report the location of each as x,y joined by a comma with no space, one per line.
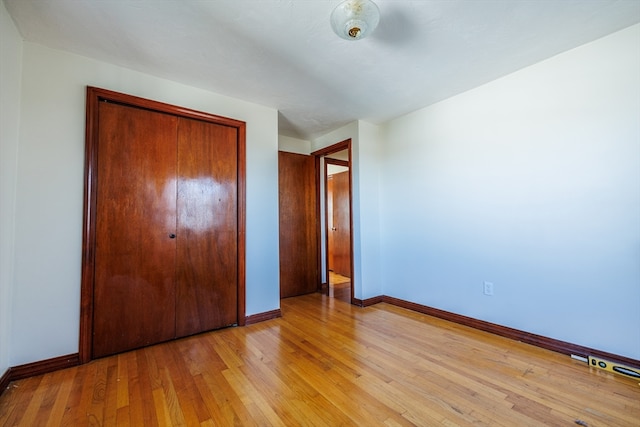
298,239
339,230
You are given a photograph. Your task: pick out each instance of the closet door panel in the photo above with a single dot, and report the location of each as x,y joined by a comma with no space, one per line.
207,227
135,217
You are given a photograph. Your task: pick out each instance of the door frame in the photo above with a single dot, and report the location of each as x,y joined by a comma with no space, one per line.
93,97
319,154
329,161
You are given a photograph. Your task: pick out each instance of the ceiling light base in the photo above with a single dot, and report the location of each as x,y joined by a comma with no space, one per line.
355,19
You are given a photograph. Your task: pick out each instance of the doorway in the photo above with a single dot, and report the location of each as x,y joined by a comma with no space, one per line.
335,201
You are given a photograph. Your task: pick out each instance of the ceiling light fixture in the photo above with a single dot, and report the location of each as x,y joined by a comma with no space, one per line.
355,19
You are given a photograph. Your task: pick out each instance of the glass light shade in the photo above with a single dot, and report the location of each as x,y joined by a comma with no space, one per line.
355,19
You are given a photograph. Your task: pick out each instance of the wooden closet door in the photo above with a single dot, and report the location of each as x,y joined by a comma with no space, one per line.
207,232
134,290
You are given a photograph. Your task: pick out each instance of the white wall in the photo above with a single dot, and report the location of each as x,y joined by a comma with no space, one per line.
50,193
294,145
367,182
365,147
531,182
334,169
10,69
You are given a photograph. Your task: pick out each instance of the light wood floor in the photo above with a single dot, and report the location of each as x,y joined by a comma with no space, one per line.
328,363
339,287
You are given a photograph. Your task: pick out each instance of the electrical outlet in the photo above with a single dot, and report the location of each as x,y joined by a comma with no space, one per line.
488,288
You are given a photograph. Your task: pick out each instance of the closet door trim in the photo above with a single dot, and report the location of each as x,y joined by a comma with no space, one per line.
93,97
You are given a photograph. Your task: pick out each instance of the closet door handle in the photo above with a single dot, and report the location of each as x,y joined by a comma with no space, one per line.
172,236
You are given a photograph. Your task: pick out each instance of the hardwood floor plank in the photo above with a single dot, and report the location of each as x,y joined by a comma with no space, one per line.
132,377
145,387
80,396
33,409
111,396
408,361
48,400
259,409
177,409
277,394
65,378
178,400
512,367
161,408
123,417
188,398
328,363
345,370
318,410
303,400
122,390
16,406
222,402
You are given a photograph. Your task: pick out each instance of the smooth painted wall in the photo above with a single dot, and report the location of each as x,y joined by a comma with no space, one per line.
49,202
294,145
368,175
531,182
10,71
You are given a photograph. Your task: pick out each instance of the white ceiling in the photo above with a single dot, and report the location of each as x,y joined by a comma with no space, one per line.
283,54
